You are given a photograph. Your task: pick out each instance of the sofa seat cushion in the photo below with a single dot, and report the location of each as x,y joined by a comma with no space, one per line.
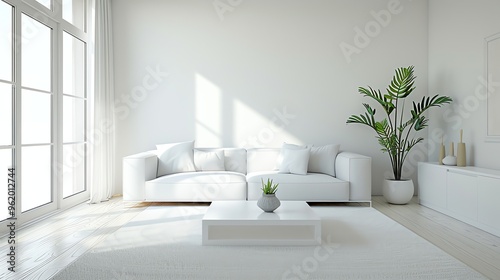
197,186
204,177
311,187
287,178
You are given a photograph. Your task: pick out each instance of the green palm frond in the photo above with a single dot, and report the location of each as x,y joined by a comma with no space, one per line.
410,144
428,102
402,83
393,134
420,123
379,97
367,119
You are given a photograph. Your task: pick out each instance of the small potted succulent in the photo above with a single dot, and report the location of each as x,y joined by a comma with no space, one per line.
268,202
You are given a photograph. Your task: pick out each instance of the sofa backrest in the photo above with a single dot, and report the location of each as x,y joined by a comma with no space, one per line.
262,159
235,159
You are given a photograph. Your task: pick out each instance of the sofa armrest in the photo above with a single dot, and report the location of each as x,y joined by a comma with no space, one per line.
357,170
137,169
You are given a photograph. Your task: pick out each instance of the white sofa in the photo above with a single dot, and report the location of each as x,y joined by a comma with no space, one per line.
241,179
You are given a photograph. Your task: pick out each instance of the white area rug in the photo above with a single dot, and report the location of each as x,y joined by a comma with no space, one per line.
164,242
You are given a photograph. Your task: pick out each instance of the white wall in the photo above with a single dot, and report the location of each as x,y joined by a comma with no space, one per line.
229,76
457,30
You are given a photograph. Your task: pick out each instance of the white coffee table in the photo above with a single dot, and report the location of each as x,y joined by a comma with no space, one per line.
244,223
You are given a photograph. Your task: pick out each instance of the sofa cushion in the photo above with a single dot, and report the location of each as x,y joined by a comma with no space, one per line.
235,159
175,158
294,161
197,186
204,177
311,187
322,159
284,147
209,161
310,178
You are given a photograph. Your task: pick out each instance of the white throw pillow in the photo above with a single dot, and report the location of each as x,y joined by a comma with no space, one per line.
295,161
322,159
175,158
283,147
209,161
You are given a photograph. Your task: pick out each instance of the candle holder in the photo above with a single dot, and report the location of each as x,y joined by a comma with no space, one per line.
442,152
461,154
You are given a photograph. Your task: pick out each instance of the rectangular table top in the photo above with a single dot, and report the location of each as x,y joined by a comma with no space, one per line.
249,211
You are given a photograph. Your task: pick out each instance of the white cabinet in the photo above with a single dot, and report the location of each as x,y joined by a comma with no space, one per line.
488,200
434,194
469,194
461,190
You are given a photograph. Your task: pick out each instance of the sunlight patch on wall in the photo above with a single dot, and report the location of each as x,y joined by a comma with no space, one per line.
269,130
208,113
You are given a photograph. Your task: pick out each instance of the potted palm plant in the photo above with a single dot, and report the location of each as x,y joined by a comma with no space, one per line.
394,130
269,202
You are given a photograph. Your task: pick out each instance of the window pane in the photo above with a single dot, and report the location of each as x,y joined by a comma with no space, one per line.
35,117
35,54
73,119
74,12
36,177
5,163
73,65
6,41
5,114
73,169
46,3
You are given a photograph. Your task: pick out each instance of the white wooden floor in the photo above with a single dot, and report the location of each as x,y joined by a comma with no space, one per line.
474,247
48,246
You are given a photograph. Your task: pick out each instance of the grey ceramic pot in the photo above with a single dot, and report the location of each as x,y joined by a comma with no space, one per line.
268,202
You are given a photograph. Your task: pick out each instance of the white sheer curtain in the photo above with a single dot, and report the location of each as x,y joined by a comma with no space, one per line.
102,168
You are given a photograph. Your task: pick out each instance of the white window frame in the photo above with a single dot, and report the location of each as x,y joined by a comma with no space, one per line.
53,19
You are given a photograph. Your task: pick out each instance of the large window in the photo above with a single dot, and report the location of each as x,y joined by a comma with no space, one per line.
43,104
74,107
36,114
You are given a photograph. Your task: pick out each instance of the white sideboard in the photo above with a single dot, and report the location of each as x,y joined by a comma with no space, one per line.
469,194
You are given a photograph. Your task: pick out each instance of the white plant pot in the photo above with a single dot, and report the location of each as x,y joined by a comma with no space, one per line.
398,192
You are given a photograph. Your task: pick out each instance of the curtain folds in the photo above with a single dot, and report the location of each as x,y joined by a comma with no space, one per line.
102,167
